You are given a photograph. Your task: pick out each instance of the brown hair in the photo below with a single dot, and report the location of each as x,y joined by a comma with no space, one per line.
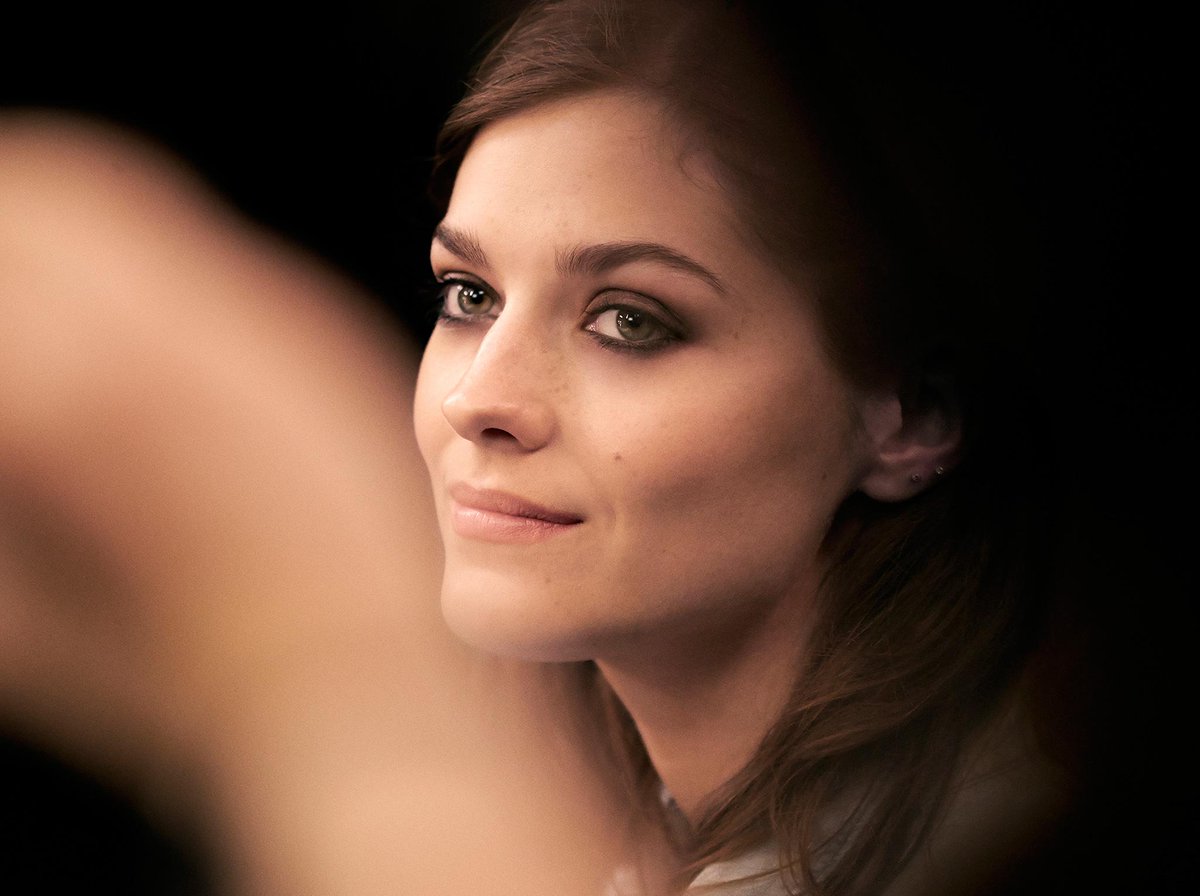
931,605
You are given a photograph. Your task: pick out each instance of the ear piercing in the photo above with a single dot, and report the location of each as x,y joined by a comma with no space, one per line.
916,477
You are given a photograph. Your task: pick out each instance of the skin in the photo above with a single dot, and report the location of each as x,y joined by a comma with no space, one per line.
703,464
219,562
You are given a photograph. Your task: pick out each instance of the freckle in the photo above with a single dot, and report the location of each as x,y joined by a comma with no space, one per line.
616,457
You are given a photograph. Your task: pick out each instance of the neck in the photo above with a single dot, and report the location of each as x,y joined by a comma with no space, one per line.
703,700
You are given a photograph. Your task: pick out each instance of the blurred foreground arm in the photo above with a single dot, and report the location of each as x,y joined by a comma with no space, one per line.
218,558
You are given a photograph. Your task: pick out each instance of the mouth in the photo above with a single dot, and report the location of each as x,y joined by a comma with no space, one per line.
490,515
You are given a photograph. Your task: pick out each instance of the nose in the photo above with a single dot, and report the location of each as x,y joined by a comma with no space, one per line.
504,398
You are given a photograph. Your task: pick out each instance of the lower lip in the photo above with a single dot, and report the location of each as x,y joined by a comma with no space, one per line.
504,528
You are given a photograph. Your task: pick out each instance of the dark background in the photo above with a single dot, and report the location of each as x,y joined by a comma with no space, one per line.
319,122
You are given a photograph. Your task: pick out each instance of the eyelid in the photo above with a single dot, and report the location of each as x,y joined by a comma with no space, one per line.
628,298
445,281
457,276
671,330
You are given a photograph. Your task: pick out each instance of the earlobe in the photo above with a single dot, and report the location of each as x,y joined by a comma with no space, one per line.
912,444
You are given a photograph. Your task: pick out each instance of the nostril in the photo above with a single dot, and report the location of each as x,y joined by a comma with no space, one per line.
503,425
495,433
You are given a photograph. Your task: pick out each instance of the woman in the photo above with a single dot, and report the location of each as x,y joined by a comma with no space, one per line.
715,413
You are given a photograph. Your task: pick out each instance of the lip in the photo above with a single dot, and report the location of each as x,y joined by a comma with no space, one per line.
496,516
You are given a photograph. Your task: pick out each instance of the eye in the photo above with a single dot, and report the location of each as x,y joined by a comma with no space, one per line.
464,300
627,327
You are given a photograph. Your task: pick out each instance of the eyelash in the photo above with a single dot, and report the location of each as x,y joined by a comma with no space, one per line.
441,296
672,334
668,334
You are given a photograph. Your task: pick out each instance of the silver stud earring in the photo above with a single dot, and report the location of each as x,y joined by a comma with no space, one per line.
940,470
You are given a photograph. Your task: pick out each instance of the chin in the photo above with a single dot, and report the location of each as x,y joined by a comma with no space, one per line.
502,618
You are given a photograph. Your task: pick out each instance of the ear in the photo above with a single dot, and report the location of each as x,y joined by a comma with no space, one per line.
913,439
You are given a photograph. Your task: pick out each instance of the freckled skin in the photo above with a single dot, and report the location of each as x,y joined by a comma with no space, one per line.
706,471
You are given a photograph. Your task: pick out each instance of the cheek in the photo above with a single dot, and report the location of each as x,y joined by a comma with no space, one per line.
751,469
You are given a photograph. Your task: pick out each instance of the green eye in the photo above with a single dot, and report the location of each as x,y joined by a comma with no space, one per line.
635,326
630,328
462,300
472,299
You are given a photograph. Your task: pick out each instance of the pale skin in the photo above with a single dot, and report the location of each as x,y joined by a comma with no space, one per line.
668,398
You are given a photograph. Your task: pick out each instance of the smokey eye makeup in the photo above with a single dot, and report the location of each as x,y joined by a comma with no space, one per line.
628,327
618,320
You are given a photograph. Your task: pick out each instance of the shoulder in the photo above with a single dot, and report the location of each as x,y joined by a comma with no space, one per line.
1010,797
755,873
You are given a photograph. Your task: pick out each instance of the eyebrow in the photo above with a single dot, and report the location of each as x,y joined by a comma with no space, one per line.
597,259
594,259
462,243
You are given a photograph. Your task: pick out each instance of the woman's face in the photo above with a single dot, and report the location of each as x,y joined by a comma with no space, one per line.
633,433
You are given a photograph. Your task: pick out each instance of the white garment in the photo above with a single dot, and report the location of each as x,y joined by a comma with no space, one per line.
733,874
726,878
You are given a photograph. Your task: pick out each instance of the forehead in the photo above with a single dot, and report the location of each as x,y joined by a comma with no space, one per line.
601,126
597,167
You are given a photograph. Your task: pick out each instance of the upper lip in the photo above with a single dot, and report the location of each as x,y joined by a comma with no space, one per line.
495,501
